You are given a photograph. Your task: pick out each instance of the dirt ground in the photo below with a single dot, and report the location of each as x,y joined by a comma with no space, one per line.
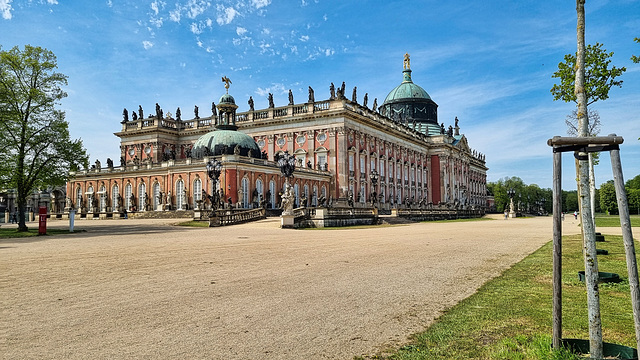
131,289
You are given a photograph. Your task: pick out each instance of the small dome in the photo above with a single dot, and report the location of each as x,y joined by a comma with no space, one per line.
406,90
227,99
220,141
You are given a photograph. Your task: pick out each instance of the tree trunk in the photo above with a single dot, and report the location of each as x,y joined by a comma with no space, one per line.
592,188
588,230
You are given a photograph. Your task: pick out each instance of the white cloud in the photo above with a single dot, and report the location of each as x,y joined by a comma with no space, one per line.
325,17
241,31
196,29
260,3
154,7
5,9
109,3
147,44
304,38
266,31
196,7
225,15
52,2
175,15
199,43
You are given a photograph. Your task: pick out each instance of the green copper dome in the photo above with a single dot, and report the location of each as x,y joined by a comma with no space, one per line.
221,141
406,90
227,99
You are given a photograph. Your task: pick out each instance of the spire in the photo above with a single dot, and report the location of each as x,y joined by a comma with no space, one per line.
406,73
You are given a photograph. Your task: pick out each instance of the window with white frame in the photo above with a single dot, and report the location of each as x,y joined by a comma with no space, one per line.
115,192
142,196
78,198
244,188
260,188
180,195
90,195
197,191
272,188
156,196
103,198
128,189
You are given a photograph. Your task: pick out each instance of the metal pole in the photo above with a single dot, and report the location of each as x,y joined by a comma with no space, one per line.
627,236
557,250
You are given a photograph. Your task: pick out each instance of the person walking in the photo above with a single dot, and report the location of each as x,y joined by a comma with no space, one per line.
506,214
575,214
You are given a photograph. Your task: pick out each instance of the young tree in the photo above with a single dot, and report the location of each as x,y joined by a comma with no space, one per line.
34,136
608,200
598,78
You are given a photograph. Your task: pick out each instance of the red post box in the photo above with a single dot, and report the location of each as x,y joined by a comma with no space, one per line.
42,229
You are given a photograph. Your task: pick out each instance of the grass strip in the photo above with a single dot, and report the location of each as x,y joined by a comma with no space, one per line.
510,316
614,220
14,233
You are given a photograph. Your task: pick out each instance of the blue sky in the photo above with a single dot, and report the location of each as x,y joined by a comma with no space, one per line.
487,62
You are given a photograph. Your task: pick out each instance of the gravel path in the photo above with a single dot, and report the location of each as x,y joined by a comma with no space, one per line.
130,289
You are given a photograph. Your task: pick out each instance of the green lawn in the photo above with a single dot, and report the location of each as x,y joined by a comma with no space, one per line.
614,220
510,316
33,231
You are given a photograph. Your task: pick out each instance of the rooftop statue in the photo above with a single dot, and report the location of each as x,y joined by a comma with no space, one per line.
407,61
290,97
375,104
214,113
226,82
312,97
332,90
354,95
134,116
178,114
140,113
195,112
251,108
125,115
365,100
270,98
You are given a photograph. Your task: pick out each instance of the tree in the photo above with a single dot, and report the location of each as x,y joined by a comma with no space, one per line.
599,78
636,59
608,200
34,136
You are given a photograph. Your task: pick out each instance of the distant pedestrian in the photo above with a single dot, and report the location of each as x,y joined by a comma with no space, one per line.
563,216
575,214
506,214
125,213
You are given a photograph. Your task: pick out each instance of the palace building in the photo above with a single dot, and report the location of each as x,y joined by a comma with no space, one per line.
345,150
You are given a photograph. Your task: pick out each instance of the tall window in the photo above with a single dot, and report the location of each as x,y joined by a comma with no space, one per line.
314,198
142,196
180,195
197,191
382,168
362,194
362,164
156,196
115,192
127,196
323,191
306,194
398,171
296,192
321,160
78,198
90,196
381,196
245,192
103,198
351,161
260,188
272,188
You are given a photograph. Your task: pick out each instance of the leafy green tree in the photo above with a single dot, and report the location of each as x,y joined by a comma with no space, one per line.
636,59
608,200
570,201
36,147
633,183
599,78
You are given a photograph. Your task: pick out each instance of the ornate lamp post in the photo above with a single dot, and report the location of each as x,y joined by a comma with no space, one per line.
511,193
287,165
214,168
374,182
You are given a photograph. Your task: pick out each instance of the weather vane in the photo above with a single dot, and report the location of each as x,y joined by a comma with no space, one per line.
226,82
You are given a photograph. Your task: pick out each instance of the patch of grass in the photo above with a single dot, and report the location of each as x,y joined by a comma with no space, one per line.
14,233
194,223
510,316
614,220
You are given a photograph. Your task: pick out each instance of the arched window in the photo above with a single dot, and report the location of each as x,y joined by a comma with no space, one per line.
127,196
103,198
362,194
90,196
314,197
272,189
306,195
197,191
296,192
245,192
180,201
260,188
156,196
78,198
142,196
115,192
323,191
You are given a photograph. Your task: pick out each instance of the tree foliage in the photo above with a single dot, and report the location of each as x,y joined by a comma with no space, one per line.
636,59
608,202
599,78
34,136
527,198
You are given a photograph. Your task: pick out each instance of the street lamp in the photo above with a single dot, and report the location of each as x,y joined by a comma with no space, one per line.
511,194
373,175
214,168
